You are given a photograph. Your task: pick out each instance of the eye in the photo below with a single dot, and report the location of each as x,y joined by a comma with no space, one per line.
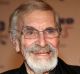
29,32
51,30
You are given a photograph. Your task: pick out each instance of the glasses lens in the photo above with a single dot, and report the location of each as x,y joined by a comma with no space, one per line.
29,32
51,32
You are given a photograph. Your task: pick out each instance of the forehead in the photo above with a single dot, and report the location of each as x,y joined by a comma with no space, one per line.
39,19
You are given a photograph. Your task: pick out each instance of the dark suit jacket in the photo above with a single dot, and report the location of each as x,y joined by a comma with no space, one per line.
61,68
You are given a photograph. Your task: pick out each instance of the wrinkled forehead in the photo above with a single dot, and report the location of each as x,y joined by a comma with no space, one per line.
38,19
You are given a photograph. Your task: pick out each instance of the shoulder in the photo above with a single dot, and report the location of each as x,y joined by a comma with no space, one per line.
20,70
14,71
75,68
68,68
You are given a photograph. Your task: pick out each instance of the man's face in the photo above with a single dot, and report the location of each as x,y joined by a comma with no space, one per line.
39,51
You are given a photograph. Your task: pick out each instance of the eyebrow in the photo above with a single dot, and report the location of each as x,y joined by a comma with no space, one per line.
50,28
30,27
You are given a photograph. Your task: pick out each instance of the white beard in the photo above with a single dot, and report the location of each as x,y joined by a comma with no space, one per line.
41,65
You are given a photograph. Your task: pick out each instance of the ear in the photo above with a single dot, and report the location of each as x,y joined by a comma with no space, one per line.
15,43
17,46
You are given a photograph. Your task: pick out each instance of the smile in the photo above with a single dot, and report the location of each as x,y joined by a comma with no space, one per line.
42,54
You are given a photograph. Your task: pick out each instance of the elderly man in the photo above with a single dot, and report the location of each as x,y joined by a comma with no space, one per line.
35,31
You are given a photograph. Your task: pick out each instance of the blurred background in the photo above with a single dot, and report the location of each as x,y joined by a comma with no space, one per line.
69,11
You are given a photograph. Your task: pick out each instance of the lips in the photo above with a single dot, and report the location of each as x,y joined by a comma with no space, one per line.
42,54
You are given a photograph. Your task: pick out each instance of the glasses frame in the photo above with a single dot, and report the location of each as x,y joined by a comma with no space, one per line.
37,34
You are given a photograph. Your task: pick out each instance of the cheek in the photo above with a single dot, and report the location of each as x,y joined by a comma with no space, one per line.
54,42
27,42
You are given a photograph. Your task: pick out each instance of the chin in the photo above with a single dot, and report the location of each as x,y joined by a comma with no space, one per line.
41,64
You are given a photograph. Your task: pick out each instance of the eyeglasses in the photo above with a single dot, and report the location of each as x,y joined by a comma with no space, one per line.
31,33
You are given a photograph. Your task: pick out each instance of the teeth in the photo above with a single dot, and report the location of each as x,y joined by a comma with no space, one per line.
42,52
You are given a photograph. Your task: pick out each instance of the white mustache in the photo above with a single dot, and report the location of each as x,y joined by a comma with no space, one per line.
35,48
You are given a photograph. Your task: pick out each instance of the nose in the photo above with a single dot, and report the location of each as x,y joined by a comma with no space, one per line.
42,40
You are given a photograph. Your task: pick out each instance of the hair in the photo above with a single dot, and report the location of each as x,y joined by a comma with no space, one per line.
26,8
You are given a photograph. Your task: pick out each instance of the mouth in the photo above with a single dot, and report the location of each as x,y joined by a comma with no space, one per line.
42,54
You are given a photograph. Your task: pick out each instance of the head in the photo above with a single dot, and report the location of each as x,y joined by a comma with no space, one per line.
35,31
